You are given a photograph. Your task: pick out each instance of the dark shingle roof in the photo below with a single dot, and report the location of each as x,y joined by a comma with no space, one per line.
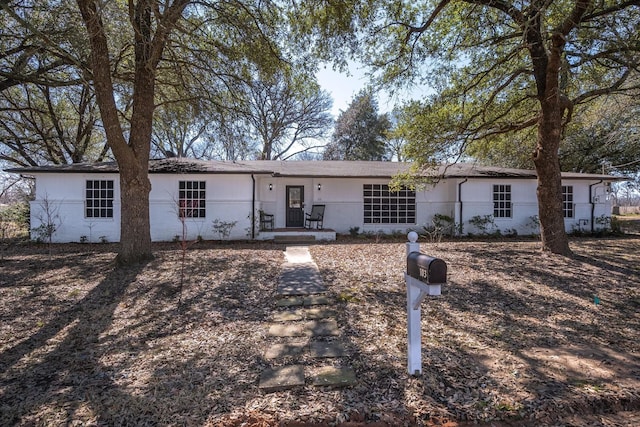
317,169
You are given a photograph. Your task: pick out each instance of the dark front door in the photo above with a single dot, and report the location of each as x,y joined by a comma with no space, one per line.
295,206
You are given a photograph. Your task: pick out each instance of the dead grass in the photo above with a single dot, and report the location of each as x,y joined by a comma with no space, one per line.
516,335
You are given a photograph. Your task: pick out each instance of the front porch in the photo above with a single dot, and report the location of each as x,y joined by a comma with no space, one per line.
297,234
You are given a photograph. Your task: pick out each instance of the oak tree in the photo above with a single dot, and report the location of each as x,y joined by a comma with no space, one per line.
287,113
221,36
498,66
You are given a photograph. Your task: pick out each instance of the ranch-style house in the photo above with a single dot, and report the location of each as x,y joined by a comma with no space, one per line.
262,199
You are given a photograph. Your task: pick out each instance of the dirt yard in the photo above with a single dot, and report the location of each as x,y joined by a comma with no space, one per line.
630,224
515,339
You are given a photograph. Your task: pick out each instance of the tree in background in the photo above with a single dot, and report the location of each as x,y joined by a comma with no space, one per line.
273,117
499,66
604,138
360,132
179,130
396,140
49,125
158,69
287,114
39,45
137,55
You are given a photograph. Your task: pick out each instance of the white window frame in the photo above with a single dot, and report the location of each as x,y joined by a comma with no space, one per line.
192,199
382,206
98,198
568,207
502,201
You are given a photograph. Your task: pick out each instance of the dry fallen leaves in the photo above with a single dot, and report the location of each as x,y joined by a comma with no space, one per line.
516,335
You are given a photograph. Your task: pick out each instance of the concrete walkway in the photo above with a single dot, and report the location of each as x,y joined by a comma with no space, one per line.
300,275
303,330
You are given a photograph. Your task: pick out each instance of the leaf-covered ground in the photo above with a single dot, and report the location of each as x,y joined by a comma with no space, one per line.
516,336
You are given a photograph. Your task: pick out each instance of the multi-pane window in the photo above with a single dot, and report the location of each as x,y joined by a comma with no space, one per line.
98,198
567,201
502,201
382,206
192,199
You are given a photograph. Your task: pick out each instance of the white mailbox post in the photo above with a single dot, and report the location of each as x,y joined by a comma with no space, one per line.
425,275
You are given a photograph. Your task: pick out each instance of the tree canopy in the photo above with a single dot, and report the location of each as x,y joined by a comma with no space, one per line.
135,56
287,113
604,137
499,68
48,111
360,132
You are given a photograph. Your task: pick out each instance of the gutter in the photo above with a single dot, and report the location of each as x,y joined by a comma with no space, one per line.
460,201
593,204
253,207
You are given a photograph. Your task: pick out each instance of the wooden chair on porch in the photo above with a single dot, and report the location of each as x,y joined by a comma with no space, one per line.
316,215
266,221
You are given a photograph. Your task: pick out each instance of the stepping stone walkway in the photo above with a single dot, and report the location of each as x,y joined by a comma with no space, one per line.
303,329
282,378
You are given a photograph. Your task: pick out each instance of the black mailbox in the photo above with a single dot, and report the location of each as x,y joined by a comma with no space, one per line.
427,269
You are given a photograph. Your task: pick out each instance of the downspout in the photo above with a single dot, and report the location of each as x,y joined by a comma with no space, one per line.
253,207
460,201
593,205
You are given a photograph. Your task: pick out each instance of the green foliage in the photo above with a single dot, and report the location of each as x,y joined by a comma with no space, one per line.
445,223
486,105
499,69
603,222
348,296
354,231
44,232
441,225
17,213
603,136
360,132
48,110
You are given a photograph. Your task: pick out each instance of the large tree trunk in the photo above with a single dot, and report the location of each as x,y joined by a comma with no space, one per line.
132,155
549,191
135,235
547,68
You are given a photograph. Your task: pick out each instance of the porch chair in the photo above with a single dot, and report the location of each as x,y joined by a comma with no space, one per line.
316,215
266,221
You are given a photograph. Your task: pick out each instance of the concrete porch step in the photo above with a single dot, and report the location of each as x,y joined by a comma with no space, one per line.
297,235
286,238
